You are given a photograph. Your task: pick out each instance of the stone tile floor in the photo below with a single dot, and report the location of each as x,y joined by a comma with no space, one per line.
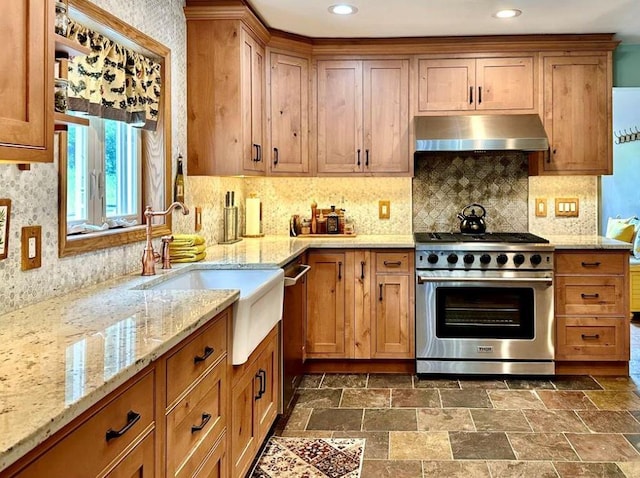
479,427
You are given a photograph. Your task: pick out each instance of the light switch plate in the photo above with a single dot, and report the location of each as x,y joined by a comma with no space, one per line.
384,209
31,247
567,207
198,225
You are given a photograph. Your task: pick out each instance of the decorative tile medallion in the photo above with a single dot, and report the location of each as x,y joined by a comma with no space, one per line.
310,458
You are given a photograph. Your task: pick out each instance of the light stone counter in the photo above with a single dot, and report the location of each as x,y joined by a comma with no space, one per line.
586,242
62,355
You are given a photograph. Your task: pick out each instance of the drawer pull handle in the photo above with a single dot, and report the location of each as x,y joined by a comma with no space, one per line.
201,358
132,419
590,337
590,296
392,263
590,264
205,419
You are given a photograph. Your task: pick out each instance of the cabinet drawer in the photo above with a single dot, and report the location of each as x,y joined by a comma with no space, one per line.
592,296
591,339
195,357
195,424
634,279
591,263
215,465
86,451
393,262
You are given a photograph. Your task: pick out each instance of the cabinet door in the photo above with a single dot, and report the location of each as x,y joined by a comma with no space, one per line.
392,324
243,424
139,462
386,116
289,114
326,314
340,148
252,85
266,407
26,81
577,114
446,85
504,84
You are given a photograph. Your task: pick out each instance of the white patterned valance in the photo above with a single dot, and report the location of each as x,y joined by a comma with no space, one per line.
113,82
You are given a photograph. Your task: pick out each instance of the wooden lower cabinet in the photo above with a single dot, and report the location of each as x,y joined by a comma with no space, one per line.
360,304
147,427
592,311
634,285
139,463
254,403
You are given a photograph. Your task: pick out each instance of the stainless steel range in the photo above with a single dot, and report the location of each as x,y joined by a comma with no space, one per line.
484,304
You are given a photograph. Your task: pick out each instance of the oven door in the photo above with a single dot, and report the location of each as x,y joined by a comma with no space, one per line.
484,315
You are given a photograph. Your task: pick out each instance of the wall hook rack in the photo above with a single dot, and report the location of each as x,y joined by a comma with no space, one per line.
624,136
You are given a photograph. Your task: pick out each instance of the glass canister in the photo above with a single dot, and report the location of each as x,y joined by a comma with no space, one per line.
62,20
60,94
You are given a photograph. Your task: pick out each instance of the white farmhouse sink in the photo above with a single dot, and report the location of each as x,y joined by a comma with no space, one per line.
254,314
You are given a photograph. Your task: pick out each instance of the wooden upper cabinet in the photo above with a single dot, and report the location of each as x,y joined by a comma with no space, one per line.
577,114
253,93
225,96
26,81
363,116
340,148
386,116
288,115
473,84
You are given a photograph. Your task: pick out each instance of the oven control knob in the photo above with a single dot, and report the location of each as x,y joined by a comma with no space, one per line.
432,259
452,258
502,259
518,259
468,258
536,259
485,258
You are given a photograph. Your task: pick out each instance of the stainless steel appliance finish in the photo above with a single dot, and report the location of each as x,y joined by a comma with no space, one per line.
480,133
484,304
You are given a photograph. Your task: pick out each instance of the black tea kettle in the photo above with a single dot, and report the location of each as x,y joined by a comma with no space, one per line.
472,223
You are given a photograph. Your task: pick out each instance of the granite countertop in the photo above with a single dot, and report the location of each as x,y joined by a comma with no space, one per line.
60,356
586,242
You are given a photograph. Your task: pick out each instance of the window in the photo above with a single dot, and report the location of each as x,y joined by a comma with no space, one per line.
103,175
108,171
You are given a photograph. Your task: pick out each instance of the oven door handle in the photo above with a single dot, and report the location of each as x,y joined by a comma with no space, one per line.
530,280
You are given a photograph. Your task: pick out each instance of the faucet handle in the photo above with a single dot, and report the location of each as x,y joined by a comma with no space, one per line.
166,256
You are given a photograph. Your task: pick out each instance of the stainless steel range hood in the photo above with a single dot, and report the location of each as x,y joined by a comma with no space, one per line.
480,133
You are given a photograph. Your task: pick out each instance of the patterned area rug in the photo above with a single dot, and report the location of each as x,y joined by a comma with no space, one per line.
310,458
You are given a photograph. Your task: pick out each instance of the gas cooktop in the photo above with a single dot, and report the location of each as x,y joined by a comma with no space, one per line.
455,237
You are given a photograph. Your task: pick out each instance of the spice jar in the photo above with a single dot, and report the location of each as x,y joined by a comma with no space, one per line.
306,226
60,95
62,20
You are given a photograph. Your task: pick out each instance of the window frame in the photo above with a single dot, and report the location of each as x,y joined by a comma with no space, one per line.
156,161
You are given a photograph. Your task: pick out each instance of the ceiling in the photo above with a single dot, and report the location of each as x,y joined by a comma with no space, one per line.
419,18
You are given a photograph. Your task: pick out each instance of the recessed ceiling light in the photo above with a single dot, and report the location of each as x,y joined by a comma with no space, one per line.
510,13
343,9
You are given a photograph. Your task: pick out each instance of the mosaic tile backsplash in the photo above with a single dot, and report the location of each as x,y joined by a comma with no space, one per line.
445,183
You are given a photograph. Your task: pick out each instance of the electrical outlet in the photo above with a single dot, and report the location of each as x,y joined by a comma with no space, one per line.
384,209
567,207
31,240
541,207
